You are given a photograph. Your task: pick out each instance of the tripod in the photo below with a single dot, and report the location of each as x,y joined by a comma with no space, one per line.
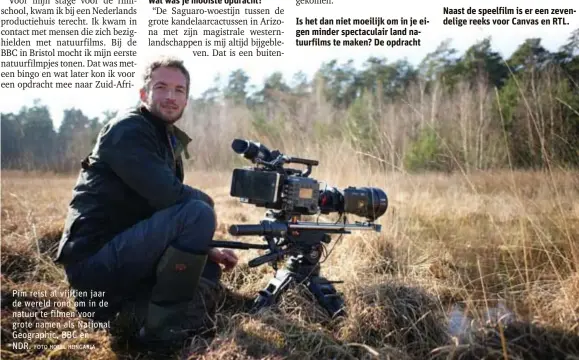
303,243
303,268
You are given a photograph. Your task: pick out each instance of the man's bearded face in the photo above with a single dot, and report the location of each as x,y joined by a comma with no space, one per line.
166,95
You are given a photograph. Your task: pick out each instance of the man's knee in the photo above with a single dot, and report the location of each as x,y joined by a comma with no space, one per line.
200,223
201,216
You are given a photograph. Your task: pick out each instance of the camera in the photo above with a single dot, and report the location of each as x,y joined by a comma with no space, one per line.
288,194
271,185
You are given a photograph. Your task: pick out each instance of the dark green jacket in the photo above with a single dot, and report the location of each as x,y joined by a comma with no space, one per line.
130,174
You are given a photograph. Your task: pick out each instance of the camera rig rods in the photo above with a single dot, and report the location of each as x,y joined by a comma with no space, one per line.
281,228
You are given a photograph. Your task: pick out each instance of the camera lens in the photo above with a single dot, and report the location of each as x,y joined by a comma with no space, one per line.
367,202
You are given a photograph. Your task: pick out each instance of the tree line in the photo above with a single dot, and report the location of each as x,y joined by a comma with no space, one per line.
470,111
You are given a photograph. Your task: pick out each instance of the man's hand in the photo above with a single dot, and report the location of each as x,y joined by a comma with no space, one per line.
224,257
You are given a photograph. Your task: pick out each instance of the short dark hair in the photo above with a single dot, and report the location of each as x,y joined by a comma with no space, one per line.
165,61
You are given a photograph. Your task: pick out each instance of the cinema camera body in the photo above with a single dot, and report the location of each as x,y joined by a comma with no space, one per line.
288,194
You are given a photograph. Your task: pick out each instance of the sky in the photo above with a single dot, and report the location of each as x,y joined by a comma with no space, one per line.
505,39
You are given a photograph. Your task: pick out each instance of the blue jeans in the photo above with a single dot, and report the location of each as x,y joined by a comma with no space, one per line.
124,268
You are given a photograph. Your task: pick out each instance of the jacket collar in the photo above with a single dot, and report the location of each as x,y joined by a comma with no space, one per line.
181,136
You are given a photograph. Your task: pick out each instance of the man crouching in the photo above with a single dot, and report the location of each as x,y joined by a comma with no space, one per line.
134,230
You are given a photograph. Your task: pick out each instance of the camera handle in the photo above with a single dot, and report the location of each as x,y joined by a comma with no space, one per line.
279,160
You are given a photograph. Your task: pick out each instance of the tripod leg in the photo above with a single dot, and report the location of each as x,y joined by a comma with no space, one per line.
327,296
269,295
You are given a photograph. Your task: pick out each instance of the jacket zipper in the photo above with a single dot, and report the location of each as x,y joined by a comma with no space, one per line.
172,150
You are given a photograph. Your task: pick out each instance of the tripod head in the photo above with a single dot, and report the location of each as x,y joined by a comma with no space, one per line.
288,236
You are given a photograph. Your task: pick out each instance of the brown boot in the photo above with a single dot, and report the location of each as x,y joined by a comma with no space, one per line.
201,311
177,283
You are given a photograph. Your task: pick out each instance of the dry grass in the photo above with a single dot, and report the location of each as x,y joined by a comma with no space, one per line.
447,240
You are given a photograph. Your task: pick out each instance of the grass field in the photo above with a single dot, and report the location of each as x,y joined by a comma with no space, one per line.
452,247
